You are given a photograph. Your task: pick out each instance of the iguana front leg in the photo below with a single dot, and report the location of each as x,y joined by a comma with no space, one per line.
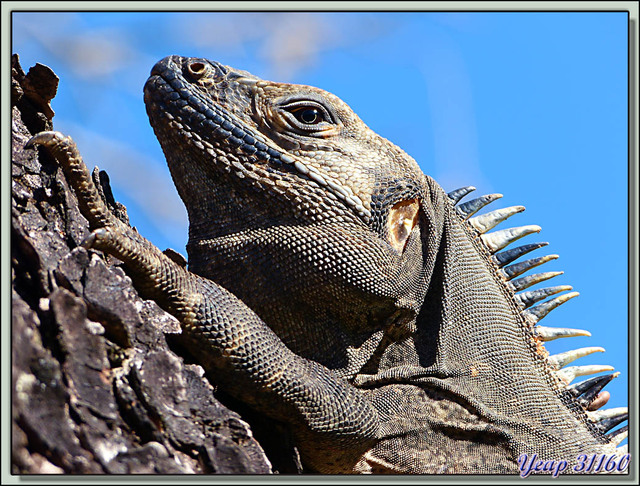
228,337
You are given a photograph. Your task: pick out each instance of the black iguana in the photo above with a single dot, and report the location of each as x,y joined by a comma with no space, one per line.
334,286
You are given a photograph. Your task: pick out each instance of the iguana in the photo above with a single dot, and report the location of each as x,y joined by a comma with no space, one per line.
333,286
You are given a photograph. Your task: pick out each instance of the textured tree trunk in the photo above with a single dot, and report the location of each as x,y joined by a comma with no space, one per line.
98,384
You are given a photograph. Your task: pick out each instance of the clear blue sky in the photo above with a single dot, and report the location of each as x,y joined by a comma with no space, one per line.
531,105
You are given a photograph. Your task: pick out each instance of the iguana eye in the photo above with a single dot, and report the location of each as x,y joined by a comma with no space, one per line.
308,115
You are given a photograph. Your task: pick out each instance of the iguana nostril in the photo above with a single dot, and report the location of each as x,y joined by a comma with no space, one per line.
197,69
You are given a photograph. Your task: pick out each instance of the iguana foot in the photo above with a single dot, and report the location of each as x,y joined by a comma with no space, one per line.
66,153
151,270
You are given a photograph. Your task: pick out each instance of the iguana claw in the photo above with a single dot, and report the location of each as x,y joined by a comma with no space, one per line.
91,240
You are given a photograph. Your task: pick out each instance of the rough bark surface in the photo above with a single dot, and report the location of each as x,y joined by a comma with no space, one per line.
97,385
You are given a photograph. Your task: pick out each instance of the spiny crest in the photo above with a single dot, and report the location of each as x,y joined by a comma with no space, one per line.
534,307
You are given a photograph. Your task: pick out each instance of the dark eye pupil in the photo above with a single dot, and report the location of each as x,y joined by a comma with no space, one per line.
309,115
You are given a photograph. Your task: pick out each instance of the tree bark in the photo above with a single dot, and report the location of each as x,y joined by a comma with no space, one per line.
97,385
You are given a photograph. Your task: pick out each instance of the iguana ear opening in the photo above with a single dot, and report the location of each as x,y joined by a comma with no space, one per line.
403,217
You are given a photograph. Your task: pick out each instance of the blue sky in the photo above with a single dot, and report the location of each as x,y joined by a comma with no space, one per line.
531,105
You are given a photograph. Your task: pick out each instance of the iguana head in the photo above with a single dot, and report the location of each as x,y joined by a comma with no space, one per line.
359,261
291,141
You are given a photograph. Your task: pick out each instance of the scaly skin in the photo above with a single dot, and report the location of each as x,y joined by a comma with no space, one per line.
334,286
